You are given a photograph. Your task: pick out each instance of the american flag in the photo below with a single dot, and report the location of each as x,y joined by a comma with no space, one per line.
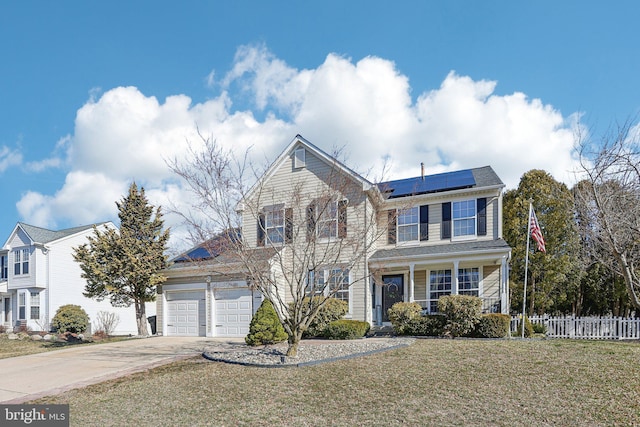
536,233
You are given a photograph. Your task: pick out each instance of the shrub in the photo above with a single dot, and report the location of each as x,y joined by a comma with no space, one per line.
528,328
463,313
106,322
402,316
493,325
70,318
345,329
265,327
431,325
332,309
539,328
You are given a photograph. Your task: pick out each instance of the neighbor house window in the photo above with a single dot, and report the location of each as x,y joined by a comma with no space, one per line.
469,281
464,218
439,285
35,305
332,282
408,223
21,262
22,306
274,225
4,267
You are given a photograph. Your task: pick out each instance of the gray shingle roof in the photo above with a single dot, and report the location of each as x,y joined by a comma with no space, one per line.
486,177
477,246
42,235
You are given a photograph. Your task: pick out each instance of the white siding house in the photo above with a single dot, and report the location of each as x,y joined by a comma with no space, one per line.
39,275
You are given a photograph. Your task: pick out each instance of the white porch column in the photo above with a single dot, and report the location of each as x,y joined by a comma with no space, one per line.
504,286
454,278
411,282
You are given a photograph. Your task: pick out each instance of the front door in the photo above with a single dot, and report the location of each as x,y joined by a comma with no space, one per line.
392,292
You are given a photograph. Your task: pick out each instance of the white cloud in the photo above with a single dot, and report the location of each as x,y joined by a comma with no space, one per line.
9,157
365,106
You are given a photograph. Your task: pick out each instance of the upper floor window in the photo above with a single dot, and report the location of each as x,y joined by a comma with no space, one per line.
299,158
327,219
21,262
408,224
4,267
274,226
464,218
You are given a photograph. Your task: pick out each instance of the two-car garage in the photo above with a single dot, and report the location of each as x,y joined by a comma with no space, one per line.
223,310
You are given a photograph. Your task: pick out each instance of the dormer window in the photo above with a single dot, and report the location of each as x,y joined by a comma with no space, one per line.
299,158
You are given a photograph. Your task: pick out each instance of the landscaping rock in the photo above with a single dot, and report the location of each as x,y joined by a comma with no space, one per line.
36,338
12,336
48,337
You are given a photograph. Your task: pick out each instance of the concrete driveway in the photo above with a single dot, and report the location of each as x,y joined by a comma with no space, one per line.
37,375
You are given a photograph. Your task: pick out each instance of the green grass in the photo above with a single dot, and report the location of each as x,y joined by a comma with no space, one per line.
15,348
433,382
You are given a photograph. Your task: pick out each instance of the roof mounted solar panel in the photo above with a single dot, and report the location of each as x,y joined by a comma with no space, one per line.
429,184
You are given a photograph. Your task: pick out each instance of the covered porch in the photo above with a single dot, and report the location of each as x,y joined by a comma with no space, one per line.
423,274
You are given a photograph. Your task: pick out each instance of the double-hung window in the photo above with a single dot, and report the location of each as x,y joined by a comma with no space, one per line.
333,282
22,306
408,224
274,225
469,281
35,305
21,262
4,267
464,218
439,285
328,221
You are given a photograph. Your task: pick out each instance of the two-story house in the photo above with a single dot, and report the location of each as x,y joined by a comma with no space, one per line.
39,275
370,244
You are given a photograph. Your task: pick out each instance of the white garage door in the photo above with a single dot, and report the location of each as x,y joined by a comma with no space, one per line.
233,312
185,313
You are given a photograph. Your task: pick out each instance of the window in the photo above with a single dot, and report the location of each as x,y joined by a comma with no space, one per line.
468,281
299,158
408,224
21,262
35,305
333,282
274,226
439,285
4,267
328,221
464,218
22,306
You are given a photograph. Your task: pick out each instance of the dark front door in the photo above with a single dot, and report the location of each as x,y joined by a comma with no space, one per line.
392,292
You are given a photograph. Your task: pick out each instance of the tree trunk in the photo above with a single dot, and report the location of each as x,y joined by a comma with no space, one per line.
141,318
294,341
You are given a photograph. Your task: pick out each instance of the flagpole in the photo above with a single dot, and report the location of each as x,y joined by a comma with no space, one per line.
526,269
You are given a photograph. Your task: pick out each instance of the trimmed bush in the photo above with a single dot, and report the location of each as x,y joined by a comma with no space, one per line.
431,325
346,329
402,316
333,309
528,328
493,325
70,318
463,313
539,328
265,327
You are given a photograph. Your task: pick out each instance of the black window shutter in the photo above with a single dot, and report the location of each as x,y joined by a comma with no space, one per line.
446,220
260,229
311,221
288,225
481,205
424,222
391,230
342,219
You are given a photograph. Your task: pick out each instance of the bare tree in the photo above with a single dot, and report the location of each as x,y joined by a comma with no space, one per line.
608,203
291,241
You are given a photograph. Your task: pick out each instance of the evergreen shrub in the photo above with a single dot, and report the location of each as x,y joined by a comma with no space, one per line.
332,309
403,315
346,329
462,312
265,327
70,318
431,325
493,325
528,328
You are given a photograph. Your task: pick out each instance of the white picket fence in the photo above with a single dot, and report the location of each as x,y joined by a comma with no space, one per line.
592,328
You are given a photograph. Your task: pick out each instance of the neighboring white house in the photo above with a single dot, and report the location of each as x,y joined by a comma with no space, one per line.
432,236
38,275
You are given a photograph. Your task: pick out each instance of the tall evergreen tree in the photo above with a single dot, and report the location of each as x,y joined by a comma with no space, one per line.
554,276
124,265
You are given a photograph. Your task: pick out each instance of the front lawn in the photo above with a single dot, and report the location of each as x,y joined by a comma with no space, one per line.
23,347
433,382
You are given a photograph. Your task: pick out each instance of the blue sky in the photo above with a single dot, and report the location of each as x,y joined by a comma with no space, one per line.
96,94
